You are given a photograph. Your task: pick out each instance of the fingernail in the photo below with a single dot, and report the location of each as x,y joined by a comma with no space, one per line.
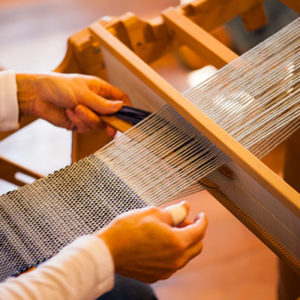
78,110
117,102
110,131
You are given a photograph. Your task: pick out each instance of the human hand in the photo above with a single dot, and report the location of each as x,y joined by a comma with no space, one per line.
146,246
71,101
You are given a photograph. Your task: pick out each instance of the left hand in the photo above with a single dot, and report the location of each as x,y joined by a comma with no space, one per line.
147,244
71,101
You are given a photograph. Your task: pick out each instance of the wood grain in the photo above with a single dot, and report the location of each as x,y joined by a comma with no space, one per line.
247,161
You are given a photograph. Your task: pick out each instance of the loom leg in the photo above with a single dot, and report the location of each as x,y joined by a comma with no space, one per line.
288,286
88,143
289,280
9,169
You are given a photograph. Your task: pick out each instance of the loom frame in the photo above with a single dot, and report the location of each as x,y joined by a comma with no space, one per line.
135,43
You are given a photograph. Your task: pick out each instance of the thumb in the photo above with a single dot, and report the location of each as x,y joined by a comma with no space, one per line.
195,232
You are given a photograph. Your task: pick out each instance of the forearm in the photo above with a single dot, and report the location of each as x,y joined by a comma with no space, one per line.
83,270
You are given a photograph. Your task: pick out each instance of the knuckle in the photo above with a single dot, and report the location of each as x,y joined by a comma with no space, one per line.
200,246
166,275
200,249
154,210
180,262
180,246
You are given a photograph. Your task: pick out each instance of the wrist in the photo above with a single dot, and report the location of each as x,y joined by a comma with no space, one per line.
26,93
104,236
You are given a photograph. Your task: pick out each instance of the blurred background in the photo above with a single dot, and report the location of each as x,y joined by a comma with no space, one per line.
33,34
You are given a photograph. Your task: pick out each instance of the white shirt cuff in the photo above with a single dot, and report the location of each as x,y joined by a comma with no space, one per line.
98,275
90,273
9,110
82,270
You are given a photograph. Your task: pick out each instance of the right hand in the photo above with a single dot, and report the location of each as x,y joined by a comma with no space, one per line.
146,246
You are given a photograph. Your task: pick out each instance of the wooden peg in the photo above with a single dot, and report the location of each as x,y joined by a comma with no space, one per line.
192,35
255,18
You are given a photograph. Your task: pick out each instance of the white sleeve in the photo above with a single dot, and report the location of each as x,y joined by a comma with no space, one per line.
82,270
9,110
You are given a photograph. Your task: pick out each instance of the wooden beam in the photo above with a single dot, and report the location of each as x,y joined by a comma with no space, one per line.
255,18
256,228
9,169
116,123
188,33
293,4
210,14
85,144
247,161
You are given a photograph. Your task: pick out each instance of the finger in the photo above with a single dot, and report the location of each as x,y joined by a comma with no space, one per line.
192,252
111,92
158,214
195,250
87,116
126,100
195,232
53,114
58,117
99,104
166,275
110,131
184,223
79,124
178,212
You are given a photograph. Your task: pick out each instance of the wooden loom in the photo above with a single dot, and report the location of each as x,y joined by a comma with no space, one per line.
136,43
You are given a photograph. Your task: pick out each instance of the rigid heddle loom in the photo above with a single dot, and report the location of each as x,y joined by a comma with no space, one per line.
210,137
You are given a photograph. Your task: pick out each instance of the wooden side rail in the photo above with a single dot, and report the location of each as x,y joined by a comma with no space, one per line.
152,39
204,44
9,170
293,4
210,14
247,161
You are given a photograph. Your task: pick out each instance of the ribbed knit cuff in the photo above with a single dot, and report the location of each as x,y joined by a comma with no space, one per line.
9,110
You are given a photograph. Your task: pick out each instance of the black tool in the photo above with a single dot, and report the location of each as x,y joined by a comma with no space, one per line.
131,114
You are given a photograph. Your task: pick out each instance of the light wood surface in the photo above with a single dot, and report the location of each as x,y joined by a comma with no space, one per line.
210,14
234,264
117,123
204,44
151,40
255,18
293,4
254,167
9,170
